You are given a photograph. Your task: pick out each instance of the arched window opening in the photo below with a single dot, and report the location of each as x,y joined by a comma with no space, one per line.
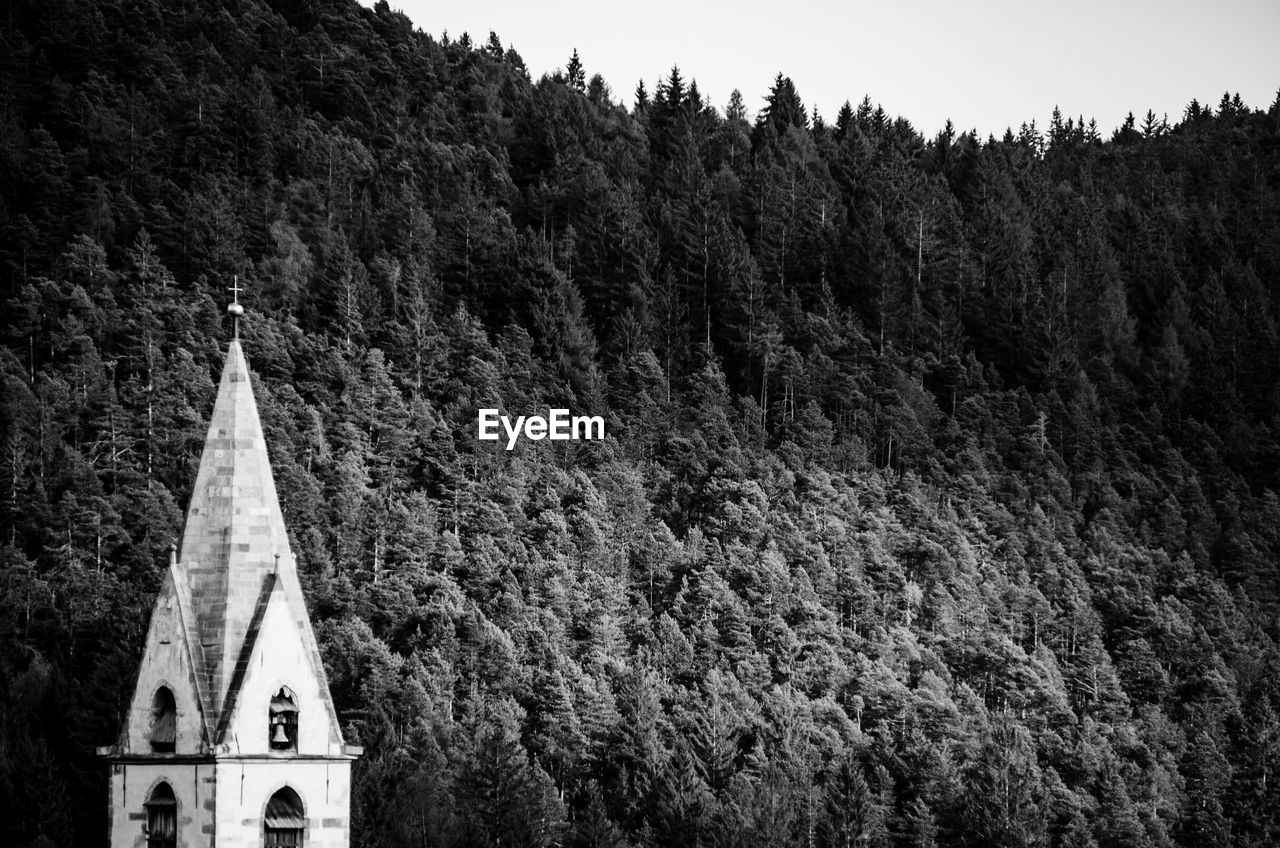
283,729
162,818
284,820
164,722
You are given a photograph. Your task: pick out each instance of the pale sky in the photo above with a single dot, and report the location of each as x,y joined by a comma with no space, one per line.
986,64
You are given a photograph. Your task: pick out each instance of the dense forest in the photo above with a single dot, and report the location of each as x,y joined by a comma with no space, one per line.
938,506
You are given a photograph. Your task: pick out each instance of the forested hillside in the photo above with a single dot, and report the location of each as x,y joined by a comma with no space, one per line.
939,501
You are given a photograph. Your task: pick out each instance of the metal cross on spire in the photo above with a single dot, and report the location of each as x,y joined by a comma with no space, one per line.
234,309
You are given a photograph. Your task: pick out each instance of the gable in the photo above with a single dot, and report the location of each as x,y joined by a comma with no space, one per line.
168,661
280,650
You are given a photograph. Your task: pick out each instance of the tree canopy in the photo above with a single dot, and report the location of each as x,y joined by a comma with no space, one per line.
939,499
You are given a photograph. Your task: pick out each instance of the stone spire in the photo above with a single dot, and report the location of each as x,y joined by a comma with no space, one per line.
231,736
234,530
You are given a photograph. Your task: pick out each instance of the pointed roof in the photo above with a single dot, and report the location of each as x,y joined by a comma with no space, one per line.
235,549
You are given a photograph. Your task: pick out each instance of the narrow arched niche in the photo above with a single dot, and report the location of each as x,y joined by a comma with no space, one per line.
282,718
162,817
164,722
285,820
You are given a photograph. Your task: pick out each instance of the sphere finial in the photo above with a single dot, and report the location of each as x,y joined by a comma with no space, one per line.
234,309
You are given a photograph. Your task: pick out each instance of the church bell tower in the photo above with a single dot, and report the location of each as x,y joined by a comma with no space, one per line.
231,738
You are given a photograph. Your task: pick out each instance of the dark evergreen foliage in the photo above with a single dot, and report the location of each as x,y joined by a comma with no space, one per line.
939,503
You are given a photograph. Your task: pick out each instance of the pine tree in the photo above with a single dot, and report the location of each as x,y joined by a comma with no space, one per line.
574,73
641,99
